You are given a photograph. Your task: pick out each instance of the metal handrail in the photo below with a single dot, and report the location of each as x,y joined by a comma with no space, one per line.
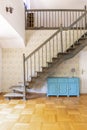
77,20
55,10
42,44
51,18
67,28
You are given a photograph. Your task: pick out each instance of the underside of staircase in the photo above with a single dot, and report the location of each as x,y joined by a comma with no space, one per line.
56,52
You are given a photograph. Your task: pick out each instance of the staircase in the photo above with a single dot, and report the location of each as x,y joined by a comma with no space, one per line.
65,43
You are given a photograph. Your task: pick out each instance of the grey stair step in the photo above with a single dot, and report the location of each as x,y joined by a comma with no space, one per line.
33,78
44,69
49,63
83,38
20,89
77,43
71,49
13,95
39,73
19,85
15,86
54,58
62,53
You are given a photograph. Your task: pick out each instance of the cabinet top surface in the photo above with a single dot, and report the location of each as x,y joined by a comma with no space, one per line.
63,77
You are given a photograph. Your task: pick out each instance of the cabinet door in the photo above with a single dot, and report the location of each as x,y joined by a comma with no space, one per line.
73,89
52,89
63,89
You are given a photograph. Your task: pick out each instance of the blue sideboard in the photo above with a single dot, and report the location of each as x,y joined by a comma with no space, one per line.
63,86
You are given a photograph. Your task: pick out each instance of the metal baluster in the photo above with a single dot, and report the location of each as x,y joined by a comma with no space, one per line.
27,70
77,31
66,38
57,41
70,17
38,60
34,63
73,16
31,66
43,18
61,37
84,27
42,56
37,19
58,20
46,51
53,46
40,18
80,27
73,36
70,36
50,50
55,18
76,15
64,20
85,17
52,20
61,18
67,19
49,18
46,20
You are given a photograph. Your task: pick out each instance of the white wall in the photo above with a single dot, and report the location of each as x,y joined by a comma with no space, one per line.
83,70
58,4
17,18
0,67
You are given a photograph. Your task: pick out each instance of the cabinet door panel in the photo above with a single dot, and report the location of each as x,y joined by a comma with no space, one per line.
52,88
63,90
73,89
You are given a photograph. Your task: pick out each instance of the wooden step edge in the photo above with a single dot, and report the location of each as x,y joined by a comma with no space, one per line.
48,62
83,38
70,49
62,53
34,77
13,95
44,68
54,58
20,90
77,43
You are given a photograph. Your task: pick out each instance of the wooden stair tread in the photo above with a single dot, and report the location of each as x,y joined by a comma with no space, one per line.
13,95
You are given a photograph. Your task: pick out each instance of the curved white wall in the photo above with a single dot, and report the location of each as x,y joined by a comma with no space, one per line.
58,4
17,18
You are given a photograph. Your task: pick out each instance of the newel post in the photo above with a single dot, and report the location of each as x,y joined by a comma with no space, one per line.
24,80
61,37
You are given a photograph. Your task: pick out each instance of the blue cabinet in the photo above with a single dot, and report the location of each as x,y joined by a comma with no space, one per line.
62,86
52,86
